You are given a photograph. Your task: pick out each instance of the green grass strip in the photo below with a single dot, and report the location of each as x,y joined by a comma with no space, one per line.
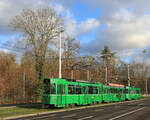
16,111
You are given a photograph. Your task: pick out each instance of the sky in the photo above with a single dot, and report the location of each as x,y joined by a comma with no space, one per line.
123,25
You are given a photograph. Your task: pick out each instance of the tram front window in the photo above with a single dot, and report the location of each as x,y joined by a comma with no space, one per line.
46,86
53,88
49,88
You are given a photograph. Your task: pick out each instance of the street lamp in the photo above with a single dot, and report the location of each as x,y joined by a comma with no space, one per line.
60,76
128,75
105,58
146,75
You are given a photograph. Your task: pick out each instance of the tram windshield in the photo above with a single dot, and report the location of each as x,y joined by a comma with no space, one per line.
49,88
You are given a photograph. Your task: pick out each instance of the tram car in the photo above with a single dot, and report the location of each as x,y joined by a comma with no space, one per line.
113,93
132,93
71,92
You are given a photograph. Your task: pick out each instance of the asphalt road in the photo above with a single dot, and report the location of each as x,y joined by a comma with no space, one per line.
137,110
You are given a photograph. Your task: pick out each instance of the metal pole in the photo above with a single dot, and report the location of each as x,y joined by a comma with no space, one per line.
71,74
106,73
88,75
24,82
128,75
146,87
60,55
147,74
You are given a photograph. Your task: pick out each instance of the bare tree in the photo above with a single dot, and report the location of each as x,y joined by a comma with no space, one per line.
109,61
71,50
39,28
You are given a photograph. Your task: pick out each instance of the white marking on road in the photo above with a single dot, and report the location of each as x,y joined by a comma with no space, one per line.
44,116
141,104
52,115
117,106
69,116
99,110
127,113
86,118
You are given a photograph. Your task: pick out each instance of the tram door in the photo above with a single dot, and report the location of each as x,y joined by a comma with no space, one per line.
61,92
85,94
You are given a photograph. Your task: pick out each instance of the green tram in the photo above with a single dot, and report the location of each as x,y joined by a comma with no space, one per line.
113,94
70,92
132,93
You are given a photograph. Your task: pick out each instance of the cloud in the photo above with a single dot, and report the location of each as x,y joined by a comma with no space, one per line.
11,8
88,25
73,28
76,29
123,24
138,7
68,4
124,31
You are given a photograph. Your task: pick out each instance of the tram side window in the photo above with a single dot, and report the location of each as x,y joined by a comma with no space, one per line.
132,91
137,92
112,91
126,91
78,89
71,89
121,91
95,90
84,90
116,91
90,89
105,91
53,88
108,91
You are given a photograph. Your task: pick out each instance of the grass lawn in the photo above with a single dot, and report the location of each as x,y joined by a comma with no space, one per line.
16,111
